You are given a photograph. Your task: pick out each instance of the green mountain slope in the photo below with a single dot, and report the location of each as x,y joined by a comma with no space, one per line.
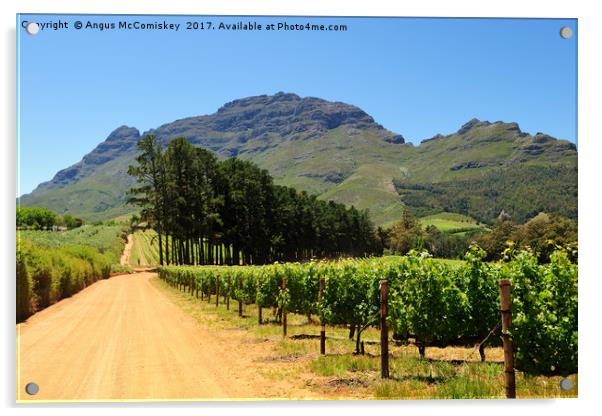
338,151
486,168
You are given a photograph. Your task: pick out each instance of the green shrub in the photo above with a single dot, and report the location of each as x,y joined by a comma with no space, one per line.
544,314
23,287
49,273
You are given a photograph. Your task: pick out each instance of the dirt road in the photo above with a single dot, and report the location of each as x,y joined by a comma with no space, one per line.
127,251
122,338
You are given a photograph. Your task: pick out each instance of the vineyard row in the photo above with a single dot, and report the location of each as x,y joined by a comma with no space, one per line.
431,302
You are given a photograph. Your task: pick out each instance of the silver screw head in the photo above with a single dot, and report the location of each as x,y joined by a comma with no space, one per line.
566,384
566,32
32,389
32,28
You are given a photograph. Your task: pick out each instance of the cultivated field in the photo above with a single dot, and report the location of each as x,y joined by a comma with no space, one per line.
145,249
452,310
452,223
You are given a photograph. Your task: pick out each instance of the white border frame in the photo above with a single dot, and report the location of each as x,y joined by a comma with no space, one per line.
590,149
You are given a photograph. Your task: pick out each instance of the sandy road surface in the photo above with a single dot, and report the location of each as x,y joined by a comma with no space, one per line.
122,338
127,251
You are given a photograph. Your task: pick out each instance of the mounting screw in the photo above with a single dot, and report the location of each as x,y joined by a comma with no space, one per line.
32,389
566,32
32,28
566,384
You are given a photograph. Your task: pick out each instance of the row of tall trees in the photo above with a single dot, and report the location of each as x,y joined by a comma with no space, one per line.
207,211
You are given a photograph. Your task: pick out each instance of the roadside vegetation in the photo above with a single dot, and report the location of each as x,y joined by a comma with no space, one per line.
52,265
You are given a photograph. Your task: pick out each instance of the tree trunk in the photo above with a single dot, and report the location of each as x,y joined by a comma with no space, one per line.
160,249
358,340
422,350
351,331
187,251
201,250
236,255
167,248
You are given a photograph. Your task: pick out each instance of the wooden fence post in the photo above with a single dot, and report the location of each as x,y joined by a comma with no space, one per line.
323,327
216,291
240,300
505,303
284,308
384,333
228,295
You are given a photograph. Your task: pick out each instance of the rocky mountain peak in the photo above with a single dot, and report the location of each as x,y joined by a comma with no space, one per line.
268,120
471,124
123,133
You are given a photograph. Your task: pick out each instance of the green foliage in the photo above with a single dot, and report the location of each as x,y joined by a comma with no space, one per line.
105,239
426,301
349,295
35,217
55,265
303,285
551,189
544,313
39,218
70,221
479,281
54,273
542,234
405,234
23,288
444,245
408,234
546,233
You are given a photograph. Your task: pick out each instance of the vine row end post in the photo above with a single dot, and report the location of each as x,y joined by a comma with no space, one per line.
284,308
323,325
505,303
240,297
384,333
216,291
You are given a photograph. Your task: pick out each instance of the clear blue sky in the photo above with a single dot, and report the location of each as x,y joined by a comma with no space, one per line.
416,77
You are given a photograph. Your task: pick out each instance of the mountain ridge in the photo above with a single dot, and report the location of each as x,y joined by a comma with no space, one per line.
333,149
